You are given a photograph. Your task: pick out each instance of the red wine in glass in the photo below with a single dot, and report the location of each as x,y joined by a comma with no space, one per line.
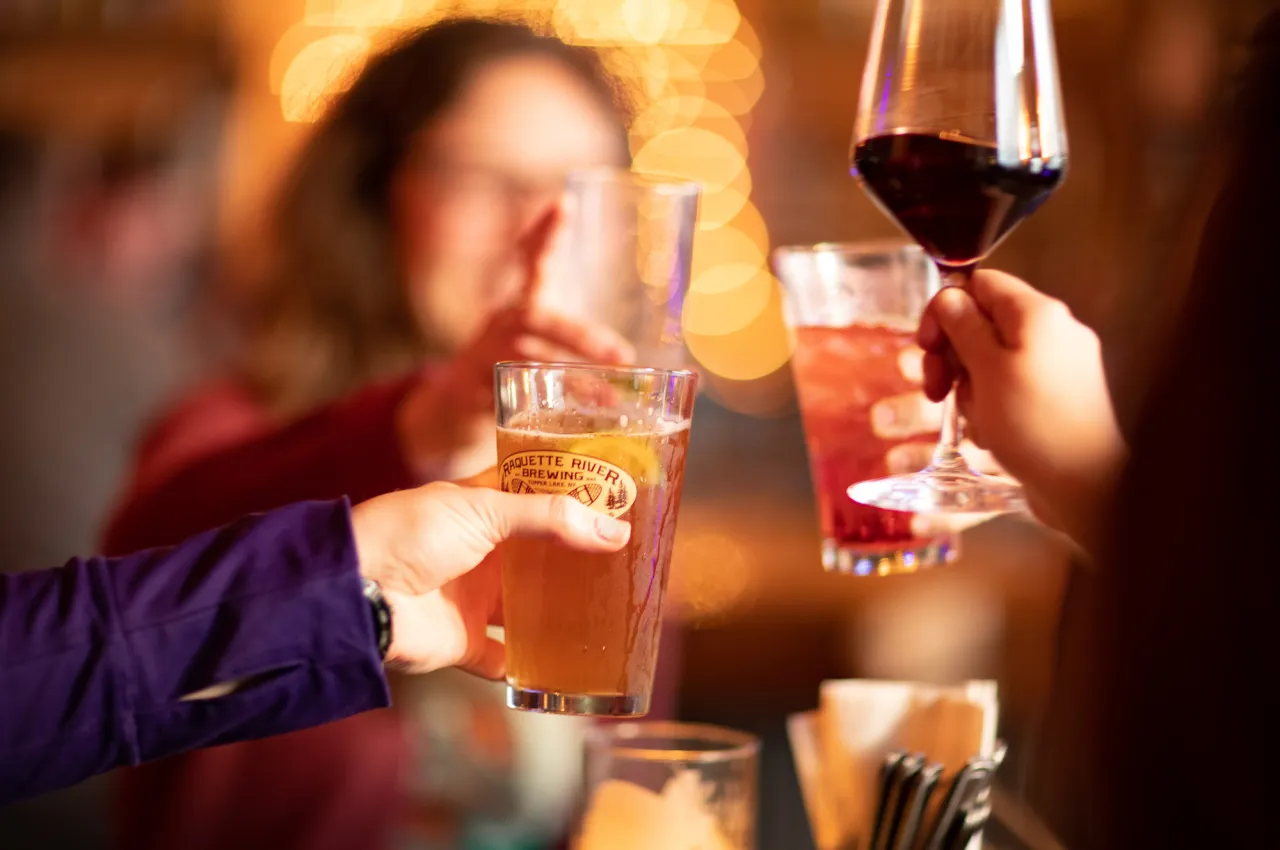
951,194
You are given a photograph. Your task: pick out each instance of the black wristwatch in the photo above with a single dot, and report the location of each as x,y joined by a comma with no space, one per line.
381,613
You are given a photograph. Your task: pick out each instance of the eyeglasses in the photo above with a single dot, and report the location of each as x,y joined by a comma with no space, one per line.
496,184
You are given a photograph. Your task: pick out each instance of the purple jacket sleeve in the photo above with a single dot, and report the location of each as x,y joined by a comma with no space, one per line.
96,656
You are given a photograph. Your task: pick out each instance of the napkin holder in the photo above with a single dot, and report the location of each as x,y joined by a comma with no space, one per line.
897,765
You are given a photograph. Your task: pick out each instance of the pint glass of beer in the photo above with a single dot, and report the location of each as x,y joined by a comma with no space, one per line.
582,629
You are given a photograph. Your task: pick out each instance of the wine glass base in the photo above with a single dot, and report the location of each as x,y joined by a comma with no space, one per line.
934,492
885,559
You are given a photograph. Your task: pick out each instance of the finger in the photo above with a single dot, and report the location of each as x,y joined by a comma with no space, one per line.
533,248
929,335
532,348
902,416
1008,302
967,329
492,663
910,364
589,340
561,518
939,376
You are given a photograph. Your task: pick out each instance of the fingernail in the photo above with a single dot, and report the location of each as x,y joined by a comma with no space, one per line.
612,530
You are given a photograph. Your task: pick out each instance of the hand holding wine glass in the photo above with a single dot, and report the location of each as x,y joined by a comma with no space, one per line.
959,136
1033,391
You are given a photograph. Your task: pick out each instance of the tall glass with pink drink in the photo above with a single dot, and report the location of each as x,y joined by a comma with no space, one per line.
853,310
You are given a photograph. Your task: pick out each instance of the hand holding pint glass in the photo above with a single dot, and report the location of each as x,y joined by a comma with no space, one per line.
582,630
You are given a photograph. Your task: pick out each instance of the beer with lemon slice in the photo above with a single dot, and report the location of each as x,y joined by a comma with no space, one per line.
582,629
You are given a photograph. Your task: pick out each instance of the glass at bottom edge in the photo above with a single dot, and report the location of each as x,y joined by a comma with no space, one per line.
888,559
578,705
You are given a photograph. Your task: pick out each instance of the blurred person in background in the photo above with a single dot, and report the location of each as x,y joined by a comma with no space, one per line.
406,250
1163,667
101,253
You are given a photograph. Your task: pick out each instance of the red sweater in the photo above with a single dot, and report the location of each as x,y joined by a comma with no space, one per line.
215,457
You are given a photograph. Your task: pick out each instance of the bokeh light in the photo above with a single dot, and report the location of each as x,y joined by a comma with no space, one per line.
721,206
692,153
757,348
727,244
732,60
676,111
318,71
711,575
726,298
352,13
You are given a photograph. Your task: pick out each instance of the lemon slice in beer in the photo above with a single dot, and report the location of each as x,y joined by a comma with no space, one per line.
633,454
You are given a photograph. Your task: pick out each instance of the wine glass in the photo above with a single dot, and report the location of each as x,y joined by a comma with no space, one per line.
959,136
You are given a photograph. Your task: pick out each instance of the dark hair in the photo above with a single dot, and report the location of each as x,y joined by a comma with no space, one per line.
331,314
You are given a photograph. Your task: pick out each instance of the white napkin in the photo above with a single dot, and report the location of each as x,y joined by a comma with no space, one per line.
840,747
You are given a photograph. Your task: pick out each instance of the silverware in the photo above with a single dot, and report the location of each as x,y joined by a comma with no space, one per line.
907,779
970,826
918,805
997,756
888,779
940,823
970,787
907,784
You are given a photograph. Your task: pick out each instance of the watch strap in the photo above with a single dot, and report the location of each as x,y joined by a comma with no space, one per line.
380,611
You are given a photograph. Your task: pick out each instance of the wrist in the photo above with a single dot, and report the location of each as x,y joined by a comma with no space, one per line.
1092,491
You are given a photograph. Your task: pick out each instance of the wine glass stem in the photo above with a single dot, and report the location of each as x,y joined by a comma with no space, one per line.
947,457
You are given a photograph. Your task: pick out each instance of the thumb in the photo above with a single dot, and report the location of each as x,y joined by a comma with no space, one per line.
560,518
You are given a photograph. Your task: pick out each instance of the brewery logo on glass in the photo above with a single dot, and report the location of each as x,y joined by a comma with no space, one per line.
596,483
